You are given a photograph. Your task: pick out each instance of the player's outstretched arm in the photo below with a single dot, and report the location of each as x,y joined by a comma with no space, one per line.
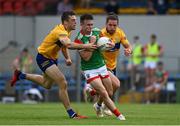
128,49
66,54
65,41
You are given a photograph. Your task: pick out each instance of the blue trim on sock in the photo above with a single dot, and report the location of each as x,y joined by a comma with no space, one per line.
99,105
71,113
22,76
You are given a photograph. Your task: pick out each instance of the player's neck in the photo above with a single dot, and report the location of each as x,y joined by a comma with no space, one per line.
67,28
110,32
153,42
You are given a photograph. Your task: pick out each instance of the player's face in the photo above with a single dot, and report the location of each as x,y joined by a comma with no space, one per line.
72,22
160,67
111,26
87,26
153,40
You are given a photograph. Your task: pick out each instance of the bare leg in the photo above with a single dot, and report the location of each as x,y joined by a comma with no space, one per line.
98,86
43,81
157,93
108,86
54,73
148,90
147,70
115,82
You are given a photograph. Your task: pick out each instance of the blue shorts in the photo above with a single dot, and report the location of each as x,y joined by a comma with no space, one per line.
44,62
113,71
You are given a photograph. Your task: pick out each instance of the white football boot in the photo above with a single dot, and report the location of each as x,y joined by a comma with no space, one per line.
98,110
105,110
121,117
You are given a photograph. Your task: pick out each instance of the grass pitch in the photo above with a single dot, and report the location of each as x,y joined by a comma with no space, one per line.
55,114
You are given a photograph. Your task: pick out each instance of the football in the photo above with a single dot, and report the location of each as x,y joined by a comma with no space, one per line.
102,44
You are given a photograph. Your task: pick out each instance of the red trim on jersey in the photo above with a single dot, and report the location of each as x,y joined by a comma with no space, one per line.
91,79
78,41
166,74
106,76
81,31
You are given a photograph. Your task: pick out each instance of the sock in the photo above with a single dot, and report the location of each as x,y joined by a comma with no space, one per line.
116,112
93,92
71,113
22,76
98,105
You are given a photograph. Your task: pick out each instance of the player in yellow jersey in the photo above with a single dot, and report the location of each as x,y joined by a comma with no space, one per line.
118,37
56,40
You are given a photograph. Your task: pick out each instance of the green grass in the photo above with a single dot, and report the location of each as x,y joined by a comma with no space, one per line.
54,113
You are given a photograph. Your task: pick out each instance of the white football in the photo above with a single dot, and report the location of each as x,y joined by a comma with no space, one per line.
102,43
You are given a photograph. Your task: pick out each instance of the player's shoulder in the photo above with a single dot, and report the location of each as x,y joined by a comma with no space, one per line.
96,31
119,30
60,30
103,29
54,29
79,36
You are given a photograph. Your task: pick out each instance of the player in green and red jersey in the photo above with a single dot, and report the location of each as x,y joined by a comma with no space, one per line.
94,68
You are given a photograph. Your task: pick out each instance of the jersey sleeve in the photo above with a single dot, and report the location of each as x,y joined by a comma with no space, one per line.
63,34
123,39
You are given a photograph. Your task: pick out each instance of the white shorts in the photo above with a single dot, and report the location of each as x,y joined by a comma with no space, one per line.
93,74
151,65
157,86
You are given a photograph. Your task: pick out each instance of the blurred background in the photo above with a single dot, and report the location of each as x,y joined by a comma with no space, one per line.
24,24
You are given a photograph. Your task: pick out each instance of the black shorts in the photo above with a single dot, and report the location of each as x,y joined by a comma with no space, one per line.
112,71
44,62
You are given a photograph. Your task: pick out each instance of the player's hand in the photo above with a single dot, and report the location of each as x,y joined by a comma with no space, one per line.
90,46
127,51
92,39
68,62
111,45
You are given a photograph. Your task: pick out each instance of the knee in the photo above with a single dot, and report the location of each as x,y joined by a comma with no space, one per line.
47,85
116,85
103,93
156,91
62,84
110,93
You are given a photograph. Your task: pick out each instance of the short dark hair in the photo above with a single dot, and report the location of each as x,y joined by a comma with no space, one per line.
136,37
86,17
112,16
25,50
153,36
160,63
66,14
